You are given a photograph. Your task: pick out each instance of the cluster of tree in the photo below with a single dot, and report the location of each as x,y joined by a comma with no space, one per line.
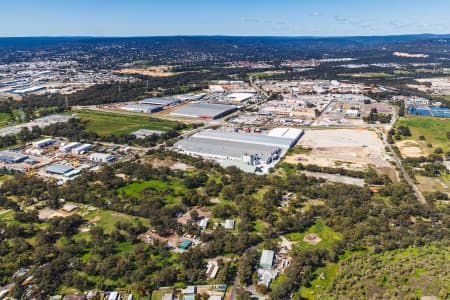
374,117
399,268
370,175
365,221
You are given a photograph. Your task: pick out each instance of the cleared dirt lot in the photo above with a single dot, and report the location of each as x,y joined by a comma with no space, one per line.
156,71
410,148
348,148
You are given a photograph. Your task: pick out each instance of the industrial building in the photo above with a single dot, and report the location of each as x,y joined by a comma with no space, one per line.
101,157
12,157
58,169
247,151
69,147
143,133
160,101
204,110
81,149
240,97
44,143
142,108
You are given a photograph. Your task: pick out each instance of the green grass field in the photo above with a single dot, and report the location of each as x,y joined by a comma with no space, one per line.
107,219
433,129
328,236
105,123
135,188
4,117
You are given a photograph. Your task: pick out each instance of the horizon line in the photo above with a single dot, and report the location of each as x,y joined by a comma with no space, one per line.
222,35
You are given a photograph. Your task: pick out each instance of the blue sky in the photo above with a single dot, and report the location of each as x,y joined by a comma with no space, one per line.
222,17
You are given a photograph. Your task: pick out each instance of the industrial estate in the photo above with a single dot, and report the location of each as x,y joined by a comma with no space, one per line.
220,175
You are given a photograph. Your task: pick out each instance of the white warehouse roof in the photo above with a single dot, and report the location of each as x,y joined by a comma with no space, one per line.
292,133
251,138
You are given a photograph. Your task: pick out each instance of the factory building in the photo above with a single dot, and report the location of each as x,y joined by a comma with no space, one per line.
81,149
205,110
143,133
44,143
240,97
12,157
101,157
247,151
142,108
160,101
58,169
69,147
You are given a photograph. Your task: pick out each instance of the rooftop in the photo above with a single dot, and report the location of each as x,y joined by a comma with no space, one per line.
204,110
58,169
159,101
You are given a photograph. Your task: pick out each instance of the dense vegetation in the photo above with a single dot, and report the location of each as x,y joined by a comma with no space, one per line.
114,257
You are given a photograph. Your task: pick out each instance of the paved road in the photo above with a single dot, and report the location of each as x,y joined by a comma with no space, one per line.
406,176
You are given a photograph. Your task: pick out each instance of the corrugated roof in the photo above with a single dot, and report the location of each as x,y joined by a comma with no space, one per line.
159,101
58,169
266,260
250,138
206,110
225,149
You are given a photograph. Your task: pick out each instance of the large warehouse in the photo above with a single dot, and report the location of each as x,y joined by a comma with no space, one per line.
142,108
204,110
160,101
12,157
250,152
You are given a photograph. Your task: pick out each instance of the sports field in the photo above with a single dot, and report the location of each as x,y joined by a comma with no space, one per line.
105,123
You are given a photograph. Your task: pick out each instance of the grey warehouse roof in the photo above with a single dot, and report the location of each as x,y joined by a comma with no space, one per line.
159,101
204,110
231,149
58,169
11,156
250,138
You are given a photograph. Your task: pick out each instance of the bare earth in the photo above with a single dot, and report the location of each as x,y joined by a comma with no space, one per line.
409,148
348,148
312,239
157,71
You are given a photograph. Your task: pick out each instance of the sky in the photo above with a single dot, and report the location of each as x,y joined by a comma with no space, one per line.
223,17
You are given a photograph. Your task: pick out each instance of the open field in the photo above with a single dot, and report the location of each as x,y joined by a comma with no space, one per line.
326,235
367,75
410,148
107,219
135,188
104,123
155,71
433,129
347,148
4,117
434,184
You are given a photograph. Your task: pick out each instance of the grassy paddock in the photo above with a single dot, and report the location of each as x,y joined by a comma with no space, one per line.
105,123
328,236
433,129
